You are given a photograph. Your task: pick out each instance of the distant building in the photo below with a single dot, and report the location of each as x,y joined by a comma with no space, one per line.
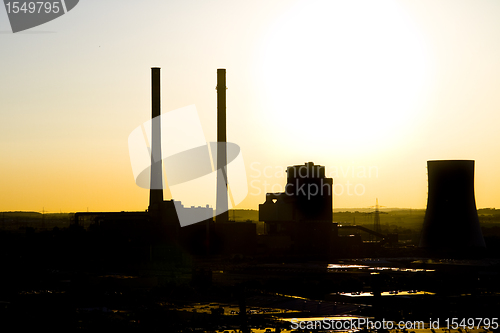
194,213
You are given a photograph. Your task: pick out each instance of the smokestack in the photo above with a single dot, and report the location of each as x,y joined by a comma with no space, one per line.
156,188
451,222
222,214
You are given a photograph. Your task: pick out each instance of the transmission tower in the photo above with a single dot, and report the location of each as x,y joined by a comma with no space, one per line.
376,219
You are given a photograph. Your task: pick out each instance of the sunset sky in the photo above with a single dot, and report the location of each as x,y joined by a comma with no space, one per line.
372,90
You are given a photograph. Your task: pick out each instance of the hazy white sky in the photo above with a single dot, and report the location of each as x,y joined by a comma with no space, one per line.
380,86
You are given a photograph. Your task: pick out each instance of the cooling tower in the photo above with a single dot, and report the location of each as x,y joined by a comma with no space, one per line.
451,222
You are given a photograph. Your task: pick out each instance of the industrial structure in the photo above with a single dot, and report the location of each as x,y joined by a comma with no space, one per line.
299,220
222,207
159,226
376,218
451,222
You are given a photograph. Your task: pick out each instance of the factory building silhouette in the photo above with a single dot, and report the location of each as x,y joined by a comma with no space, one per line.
300,218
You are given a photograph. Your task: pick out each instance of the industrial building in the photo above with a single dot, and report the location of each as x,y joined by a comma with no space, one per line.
299,220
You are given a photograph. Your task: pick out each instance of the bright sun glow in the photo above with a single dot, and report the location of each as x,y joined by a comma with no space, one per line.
351,71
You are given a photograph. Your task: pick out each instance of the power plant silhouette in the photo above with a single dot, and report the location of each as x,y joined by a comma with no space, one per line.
298,221
148,271
451,222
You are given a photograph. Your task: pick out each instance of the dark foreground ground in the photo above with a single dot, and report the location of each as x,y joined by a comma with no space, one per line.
70,286
65,282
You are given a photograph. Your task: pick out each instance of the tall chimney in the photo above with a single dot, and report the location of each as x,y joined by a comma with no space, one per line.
451,222
156,188
222,214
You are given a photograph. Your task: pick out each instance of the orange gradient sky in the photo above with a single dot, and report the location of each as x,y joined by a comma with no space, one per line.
369,89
